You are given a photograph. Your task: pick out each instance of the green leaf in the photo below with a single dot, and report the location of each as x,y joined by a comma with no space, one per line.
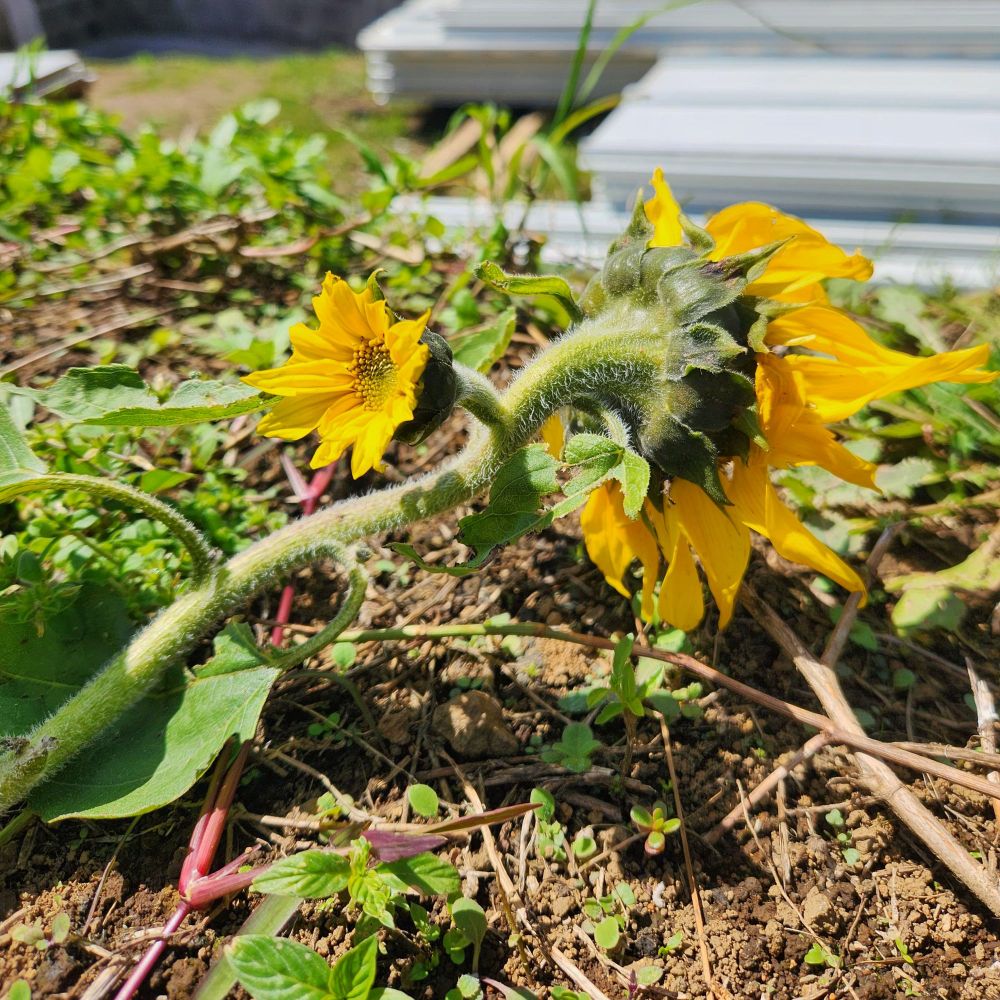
423,800
17,461
39,672
574,749
471,921
427,873
156,750
307,875
903,478
388,993
19,990
354,974
235,648
116,395
607,933
633,474
527,284
482,349
279,969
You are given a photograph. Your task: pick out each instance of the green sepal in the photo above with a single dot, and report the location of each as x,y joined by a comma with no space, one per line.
691,292
529,284
700,239
752,264
639,229
436,393
679,451
373,286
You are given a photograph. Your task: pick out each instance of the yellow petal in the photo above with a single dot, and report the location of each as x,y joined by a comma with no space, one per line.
404,336
721,541
317,345
301,378
347,316
614,541
794,272
758,505
681,602
554,435
835,390
795,433
293,418
371,444
664,213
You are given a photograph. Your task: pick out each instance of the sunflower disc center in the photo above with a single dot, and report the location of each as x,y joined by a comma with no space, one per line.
374,374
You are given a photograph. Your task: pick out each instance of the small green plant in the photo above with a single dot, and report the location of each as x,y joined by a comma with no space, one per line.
607,916
550,837
818,955
34,934
469,929
656,825
672,944
574,749
850,854
277,969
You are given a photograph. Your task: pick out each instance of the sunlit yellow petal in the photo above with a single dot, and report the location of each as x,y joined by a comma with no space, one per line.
301,378
664,213
294,418
757,504
317,345
795,433
794,272
554,435
370,445
405,336
680,602
835,391
721,541
614,541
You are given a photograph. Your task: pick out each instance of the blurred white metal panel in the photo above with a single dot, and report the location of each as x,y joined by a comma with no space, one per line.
519,50
883,139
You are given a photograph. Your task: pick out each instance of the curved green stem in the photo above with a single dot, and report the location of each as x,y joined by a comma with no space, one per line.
357,583
203,556
596,361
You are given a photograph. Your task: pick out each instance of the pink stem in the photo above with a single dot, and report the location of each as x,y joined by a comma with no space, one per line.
216,821
212,887
317,487
190,867
148,961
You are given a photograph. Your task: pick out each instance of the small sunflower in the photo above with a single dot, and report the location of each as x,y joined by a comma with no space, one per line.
797,395
355,379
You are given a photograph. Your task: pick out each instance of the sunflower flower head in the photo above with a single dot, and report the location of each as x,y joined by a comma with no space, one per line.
756,364
360,379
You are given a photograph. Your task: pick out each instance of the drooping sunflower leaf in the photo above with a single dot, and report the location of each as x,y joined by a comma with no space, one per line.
156,750
17,461
116,395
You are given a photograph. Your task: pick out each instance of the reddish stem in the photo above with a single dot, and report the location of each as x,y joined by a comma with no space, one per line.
148,961
317,487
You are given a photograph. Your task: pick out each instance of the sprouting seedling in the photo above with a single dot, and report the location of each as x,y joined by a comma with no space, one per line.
573,751
656,825
471,922
836,819
550,839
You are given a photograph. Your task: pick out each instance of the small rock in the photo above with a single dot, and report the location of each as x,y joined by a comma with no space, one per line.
819,912
473,725
561,906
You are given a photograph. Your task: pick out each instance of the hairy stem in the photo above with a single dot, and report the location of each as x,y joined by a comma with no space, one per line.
596,361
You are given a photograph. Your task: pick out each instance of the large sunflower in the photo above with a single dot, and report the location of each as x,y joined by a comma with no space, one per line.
797,395
354,379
